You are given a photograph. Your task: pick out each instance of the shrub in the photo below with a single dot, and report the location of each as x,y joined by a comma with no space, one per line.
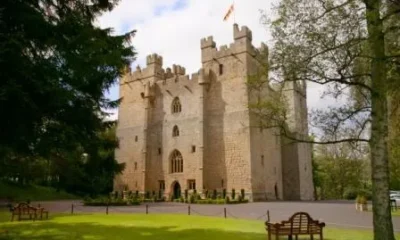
224,193
186,194
227,200
350,194
233,194
129,194
361,199
136,194
214,195
242,193
194,191
147,195
116,195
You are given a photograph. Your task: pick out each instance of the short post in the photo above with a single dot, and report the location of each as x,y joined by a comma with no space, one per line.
189,210
225,212
107,209
72,208
147,209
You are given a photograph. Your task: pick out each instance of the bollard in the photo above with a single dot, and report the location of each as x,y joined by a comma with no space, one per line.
72,208
107,209
225,212
189,210
147,209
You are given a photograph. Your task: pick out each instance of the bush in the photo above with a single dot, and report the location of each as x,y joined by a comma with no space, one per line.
361,199
233,194
224,193
227,200
242,193
186,194
136,194
351,194
206,193
214,195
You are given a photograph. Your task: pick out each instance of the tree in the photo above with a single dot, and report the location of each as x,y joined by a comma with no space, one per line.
342,174
55,66
320,41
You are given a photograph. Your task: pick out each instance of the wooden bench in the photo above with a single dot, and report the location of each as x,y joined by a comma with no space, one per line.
299,224
25,211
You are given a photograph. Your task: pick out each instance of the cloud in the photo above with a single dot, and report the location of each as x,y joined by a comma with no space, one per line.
173,29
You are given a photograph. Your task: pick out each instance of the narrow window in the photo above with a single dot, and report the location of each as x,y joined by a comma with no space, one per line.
135,165
192,184
193,148
136,138
222,182
221,69
175,131
262,160
159,151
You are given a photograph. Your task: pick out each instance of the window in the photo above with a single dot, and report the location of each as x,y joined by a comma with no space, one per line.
176,162
135,165
159,151
193,148
176,105
161,184
221,69
136,138
262,160
192,184
175,131
222,182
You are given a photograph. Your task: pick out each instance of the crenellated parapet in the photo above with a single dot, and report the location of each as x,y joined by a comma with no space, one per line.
244,32
242,44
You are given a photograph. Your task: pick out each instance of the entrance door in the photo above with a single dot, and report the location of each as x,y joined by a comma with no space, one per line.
177,190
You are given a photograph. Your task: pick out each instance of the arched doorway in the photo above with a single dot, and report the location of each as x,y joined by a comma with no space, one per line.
176,188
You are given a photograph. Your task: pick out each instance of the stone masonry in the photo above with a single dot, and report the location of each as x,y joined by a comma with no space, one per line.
178,132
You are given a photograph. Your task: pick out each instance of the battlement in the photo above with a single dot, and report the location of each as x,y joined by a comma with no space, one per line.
242,43
244,32
154,59
207,42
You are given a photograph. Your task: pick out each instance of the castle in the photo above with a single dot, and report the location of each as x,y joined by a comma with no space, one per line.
178,132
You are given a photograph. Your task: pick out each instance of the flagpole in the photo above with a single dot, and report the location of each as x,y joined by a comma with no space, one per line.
234,12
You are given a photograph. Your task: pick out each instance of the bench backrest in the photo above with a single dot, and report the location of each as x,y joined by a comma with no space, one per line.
23,207
300,221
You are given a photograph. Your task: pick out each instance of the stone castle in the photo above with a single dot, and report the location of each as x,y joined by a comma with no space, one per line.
178,132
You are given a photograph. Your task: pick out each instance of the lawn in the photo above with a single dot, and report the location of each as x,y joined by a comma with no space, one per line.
146,227
32,192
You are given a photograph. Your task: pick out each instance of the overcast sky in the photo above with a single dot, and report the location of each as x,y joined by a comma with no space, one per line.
173,29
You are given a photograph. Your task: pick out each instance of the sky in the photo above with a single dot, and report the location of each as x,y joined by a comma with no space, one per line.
173,29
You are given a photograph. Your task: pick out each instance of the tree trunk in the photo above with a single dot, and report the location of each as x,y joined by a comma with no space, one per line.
382,219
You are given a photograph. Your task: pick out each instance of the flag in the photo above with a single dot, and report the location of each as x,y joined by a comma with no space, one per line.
230,10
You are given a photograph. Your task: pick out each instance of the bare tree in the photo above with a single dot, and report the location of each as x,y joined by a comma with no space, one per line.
339,44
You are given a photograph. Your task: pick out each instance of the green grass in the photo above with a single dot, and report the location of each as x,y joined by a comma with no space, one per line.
146,227
32,192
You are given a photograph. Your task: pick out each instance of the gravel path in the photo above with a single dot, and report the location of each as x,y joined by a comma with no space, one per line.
334,214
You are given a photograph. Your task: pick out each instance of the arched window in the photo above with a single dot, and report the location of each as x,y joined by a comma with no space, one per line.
175,131
176,105
176,162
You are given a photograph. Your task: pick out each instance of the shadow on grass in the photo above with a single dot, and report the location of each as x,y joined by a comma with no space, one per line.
62,231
